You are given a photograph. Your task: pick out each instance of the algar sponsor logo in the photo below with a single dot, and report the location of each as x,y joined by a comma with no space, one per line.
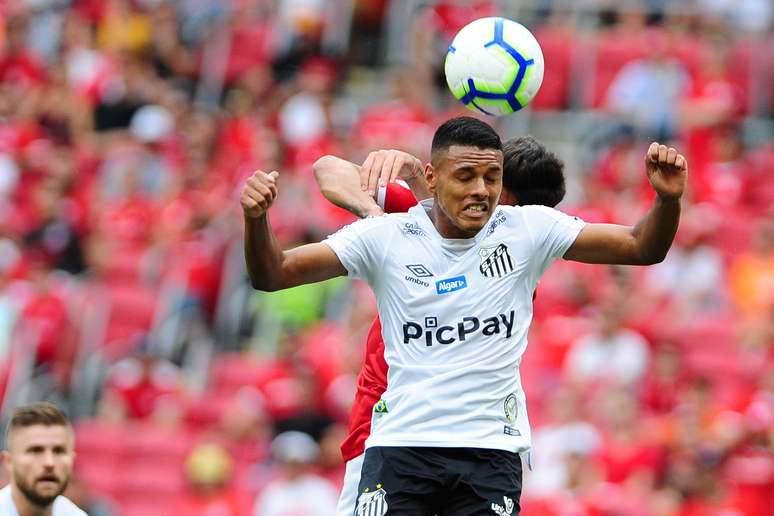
445,286
433,334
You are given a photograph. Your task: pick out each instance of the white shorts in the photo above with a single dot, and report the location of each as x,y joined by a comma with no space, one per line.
348,497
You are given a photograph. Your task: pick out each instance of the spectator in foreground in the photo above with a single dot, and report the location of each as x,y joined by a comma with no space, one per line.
39,458
611,353
208,470
644,92
299,490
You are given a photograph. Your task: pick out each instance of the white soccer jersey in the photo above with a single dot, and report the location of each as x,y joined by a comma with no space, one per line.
455,315
62,506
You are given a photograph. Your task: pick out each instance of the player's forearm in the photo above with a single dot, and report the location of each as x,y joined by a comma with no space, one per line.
263,255
339,182
656,231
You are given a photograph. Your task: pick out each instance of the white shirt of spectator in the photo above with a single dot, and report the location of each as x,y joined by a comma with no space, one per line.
554,444
62,506
308,494
623,357
455,315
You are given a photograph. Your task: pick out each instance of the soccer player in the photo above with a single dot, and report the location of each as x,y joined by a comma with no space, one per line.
39,459
453,280
531,175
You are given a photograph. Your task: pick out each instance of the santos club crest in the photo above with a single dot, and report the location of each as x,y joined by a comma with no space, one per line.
372,503
495,261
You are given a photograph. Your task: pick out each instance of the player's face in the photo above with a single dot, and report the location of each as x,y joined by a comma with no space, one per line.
40,461
466,182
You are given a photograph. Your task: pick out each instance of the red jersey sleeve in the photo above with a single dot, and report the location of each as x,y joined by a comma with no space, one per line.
396,197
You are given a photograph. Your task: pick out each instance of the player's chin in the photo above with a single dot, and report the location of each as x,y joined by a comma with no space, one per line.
473,223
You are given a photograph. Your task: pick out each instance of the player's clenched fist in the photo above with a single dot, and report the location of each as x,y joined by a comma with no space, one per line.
667,171
259,193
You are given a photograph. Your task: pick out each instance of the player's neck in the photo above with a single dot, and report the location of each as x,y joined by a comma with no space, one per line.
444,225
26,508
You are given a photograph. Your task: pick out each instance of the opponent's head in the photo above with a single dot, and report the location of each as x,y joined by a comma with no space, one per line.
465,175
39,452
531,174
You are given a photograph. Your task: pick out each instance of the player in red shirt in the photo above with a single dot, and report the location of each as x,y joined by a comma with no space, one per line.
391,181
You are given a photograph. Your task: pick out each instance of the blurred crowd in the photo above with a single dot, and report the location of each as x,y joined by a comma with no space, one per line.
127,127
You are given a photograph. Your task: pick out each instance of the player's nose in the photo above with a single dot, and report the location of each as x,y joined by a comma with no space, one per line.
478,189
49,460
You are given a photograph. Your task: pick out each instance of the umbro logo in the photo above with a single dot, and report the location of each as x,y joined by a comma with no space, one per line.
419,270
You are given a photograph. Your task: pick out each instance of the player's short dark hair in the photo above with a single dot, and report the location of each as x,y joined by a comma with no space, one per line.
532,173
43,413
468,131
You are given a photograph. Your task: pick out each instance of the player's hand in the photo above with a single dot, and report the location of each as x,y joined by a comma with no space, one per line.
259,193
385,166
667,171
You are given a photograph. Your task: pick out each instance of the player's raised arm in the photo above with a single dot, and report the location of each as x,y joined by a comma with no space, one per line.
339,182
269,267
647,242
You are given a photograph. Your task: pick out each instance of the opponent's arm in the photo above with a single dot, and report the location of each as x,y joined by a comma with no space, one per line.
353,187
647,242
339,182
269,267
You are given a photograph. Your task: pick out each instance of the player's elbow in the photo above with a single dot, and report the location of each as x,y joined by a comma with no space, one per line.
323,166
262,284
649,257
654,259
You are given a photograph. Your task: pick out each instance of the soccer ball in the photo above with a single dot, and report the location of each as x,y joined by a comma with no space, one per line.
494,66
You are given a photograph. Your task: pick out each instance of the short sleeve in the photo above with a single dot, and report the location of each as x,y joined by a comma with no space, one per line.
360,246
396,197
552,233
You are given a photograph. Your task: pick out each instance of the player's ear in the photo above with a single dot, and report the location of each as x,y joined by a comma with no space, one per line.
430,177
506,197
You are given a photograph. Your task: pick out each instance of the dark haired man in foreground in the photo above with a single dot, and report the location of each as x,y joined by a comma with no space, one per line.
453,280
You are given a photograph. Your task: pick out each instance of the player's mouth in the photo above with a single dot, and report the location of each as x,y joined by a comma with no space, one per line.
48,480
475,210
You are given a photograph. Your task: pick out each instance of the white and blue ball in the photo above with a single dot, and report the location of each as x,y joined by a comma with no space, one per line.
494,66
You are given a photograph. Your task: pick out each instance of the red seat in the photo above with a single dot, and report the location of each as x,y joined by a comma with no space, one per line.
125,264
206,411
133,303
710,346
148,445
233,371
150,483
739,62
96,439
734,233
146,508
557,53
99,477
132,307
